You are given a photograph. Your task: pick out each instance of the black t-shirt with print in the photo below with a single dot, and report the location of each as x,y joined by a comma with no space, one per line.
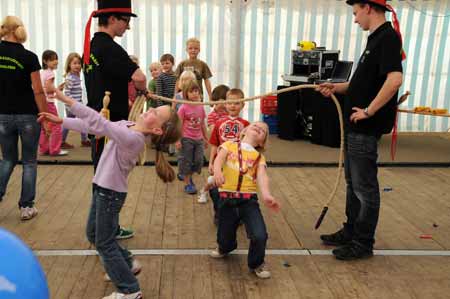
110,69
16,66
381,56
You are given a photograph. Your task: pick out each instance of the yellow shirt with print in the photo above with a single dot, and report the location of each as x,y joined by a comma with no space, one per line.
231,168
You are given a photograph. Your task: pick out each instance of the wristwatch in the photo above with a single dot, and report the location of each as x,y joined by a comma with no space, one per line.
366,111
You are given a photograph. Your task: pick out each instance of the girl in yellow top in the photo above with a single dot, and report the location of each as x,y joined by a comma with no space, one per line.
238,168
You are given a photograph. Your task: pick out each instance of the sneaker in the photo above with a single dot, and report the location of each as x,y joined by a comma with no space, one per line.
124,233
27,213
86,143
190,189
66,145
215,253
203,197
180,177
339,238
352,251
136,268
61,153
262,272
115,295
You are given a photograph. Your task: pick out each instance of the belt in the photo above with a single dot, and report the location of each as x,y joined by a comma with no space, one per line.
229,195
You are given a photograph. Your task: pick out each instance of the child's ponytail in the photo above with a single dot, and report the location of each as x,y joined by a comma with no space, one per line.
171,134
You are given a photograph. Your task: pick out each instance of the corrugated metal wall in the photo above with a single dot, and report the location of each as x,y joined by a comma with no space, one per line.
250,42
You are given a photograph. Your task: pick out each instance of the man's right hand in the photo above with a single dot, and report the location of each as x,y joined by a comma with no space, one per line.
326,89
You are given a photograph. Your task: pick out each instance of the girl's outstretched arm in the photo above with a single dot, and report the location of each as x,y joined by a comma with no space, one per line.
263,184
63,98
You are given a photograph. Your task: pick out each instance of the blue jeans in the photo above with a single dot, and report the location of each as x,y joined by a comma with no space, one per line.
363,194
247,210
25,126
101,230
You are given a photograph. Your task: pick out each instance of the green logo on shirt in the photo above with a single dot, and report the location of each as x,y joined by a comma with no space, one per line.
11,67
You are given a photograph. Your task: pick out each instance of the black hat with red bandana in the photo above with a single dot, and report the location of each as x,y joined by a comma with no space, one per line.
117,7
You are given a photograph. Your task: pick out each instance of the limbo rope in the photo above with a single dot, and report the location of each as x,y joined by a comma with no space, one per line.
292,88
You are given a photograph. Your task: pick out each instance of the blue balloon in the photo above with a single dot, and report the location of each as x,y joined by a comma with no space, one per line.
21,275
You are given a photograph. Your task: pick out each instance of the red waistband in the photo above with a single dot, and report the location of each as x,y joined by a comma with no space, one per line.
225,195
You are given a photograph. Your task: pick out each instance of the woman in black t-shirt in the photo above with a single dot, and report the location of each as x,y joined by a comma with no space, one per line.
21,98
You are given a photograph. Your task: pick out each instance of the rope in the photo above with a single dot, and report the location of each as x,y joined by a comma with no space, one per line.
292,88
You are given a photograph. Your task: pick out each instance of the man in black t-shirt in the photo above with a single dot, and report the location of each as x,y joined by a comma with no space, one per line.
369,112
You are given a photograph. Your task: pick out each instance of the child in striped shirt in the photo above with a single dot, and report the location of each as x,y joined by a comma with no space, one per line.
72,89
166,81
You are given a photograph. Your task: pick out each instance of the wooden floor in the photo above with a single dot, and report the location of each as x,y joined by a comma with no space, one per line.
163,217
411,148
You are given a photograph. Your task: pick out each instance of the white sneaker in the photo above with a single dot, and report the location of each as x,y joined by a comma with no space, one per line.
115,295
217,254
136,268
27,213
61,153
203,197
262,272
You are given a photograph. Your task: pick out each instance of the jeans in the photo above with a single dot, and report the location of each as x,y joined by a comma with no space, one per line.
363,194
247,210
28,129
101,230
214,194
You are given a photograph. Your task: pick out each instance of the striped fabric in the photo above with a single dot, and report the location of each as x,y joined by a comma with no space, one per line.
248,43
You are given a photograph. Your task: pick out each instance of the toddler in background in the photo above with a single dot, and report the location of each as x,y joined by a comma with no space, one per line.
194,136
155,71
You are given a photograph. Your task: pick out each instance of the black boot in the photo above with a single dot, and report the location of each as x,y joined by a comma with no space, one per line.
339,238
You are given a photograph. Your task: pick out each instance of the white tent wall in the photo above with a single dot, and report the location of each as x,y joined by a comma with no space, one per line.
248,43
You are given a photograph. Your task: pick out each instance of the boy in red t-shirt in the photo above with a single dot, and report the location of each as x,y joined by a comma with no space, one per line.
228,128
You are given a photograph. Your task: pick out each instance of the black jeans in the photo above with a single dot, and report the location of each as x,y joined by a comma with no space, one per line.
247,210
363,193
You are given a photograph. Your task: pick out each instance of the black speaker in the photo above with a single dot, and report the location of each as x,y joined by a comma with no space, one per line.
288,105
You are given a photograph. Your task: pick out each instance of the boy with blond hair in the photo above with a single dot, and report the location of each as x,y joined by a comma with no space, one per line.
155,70
199,67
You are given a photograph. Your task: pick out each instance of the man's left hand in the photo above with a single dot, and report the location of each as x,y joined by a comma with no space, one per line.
358,114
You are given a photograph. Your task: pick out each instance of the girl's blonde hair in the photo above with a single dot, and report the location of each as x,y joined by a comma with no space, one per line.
69,59
156,64
171,134
185,78
13,25
188,87
259,148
